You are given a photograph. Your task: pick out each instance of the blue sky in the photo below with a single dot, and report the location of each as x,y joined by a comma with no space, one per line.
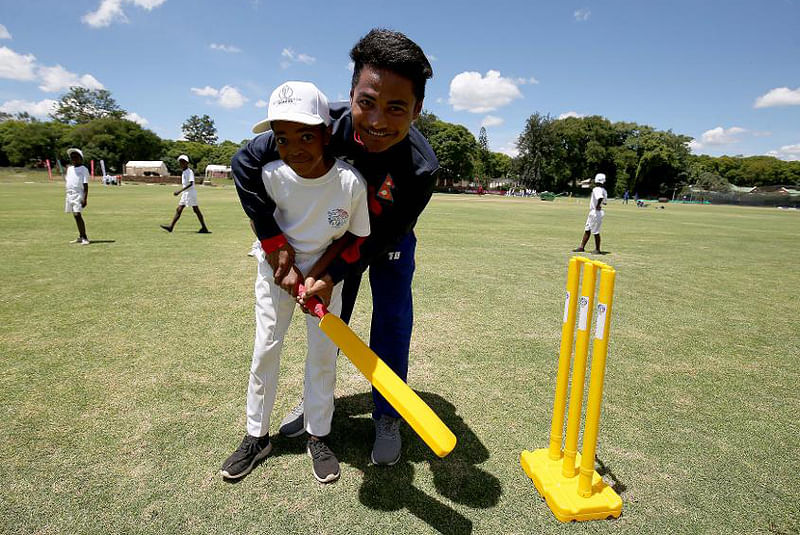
724,72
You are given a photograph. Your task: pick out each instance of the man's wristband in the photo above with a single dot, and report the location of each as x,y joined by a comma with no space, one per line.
274,243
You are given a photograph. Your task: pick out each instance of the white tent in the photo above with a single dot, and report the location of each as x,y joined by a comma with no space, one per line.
142,168
218,171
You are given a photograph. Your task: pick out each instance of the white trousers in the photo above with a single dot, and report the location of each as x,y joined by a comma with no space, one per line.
274,309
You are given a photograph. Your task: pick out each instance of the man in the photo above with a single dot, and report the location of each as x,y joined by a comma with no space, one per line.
375,134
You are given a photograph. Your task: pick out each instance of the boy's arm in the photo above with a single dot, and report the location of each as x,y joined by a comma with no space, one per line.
259,207
189,185
85,194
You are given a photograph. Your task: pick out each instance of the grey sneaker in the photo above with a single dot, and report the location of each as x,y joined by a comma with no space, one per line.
293,424
386,449
324,462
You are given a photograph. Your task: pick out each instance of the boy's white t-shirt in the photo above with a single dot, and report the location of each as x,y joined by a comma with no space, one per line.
187,177
312,212
597,193
75,178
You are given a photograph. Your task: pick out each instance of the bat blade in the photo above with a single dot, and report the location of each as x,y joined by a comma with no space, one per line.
416,412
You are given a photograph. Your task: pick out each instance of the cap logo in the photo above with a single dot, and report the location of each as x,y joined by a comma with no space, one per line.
286,96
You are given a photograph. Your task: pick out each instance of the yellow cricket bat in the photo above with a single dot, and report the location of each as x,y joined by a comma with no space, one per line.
405,401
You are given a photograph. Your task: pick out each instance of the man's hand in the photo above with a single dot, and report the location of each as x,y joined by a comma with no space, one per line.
321,288
83,202
281,261
291,281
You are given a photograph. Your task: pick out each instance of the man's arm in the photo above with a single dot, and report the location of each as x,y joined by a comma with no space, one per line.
388,230
246,167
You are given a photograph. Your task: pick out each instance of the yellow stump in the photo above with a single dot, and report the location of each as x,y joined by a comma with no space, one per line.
578,494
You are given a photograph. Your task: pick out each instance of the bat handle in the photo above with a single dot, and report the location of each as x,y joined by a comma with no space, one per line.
313,303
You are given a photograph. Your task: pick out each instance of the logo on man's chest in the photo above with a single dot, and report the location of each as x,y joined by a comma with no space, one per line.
385,191
338,217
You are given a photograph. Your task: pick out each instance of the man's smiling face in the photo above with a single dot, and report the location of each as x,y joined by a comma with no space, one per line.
383,106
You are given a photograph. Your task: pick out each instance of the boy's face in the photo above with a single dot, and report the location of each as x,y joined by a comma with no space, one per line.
184,164
75,158
302,147
383,106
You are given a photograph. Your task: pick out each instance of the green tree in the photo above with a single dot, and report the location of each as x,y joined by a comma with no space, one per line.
455,147
80,105
200,129
116,141
27,143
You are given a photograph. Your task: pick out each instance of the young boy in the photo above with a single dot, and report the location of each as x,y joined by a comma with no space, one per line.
595,220
321,209
374,131
77,184
188,197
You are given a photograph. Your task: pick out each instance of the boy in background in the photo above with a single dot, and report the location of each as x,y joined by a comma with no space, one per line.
595,219
77,185
320,205
188,195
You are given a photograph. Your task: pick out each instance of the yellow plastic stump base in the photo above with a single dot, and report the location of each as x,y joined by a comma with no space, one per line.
561,493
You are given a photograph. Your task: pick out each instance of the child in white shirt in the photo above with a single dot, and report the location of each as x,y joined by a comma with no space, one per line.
77,185
320,205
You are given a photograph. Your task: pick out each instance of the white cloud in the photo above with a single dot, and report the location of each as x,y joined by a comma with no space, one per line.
206,91
351,66
110,11
225,48
261,103
4,33
431,57
15,66
472,92
491,120
37,109
721,136
789,153
571,114
227,96
695,145
780,96
582,14
136,118
58,78
293,57
523,81
24,67
510,149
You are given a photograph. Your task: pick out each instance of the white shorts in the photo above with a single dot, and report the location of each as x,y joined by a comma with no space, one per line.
189,197
594,221
73,203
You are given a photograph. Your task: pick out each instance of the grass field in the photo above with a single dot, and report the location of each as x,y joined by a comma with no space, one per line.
123,370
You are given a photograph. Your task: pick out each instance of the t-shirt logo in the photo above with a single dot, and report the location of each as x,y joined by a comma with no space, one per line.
338,217
385,191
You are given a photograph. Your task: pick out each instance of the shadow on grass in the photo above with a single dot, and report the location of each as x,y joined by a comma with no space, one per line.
606,473
391,488
92,242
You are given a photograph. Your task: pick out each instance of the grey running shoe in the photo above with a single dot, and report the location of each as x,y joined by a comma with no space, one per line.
386,449
293,424
250,451
324,463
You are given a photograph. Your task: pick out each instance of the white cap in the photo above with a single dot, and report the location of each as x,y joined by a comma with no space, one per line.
298,102
600,178
70,151
184,158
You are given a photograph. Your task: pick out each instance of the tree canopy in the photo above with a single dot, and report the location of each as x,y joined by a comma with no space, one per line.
200,129
80,105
